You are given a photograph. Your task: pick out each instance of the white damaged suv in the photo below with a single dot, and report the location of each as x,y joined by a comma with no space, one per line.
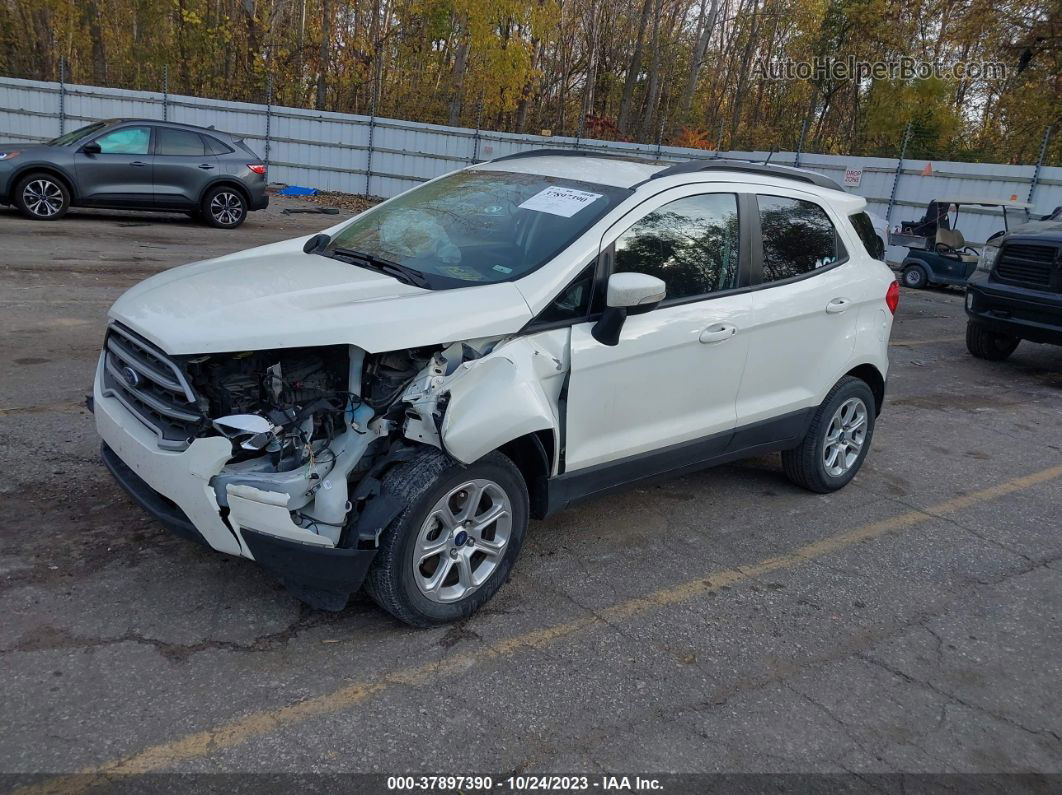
389,402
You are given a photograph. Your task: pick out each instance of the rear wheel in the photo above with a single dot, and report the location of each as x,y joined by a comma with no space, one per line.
837,441
914,276
224,207
985,344
42,197
453,546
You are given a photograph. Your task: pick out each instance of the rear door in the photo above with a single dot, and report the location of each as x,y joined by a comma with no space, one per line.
120,174
183,167
805,308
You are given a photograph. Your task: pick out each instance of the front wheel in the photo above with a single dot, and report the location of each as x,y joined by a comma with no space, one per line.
837,441
42,197
985,344
455,543
224,207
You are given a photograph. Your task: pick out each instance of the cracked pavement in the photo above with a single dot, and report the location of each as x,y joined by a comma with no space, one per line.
934,646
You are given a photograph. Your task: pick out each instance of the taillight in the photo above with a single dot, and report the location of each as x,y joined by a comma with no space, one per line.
257,168
892,297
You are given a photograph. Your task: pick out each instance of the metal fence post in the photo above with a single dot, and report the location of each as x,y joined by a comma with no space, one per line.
269,118
800,143
62,94
375,97
165,92
896,176
368,155
1039,165
479,126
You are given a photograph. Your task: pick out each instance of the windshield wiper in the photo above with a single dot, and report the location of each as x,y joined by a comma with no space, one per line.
400,272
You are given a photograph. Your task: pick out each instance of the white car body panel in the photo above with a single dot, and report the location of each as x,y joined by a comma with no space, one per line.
182,477
284,298
660,386
510,392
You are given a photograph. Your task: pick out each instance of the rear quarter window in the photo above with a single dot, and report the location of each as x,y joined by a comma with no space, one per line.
865,229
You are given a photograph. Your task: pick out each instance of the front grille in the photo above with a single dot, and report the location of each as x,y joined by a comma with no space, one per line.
151,386
1028,265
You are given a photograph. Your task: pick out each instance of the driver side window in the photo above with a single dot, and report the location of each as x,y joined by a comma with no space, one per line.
126,141
690,243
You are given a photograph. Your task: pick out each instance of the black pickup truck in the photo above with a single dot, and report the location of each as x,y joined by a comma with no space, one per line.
1015,293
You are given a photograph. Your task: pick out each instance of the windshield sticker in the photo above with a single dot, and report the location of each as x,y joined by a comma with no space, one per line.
564,202
462,272
502,269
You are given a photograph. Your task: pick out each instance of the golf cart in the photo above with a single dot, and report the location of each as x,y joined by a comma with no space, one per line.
937,252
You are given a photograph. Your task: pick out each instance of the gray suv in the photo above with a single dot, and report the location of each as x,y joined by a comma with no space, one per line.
136,164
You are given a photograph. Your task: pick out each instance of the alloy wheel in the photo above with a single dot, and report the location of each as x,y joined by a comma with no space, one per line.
845,436
463,540
43,197
226,208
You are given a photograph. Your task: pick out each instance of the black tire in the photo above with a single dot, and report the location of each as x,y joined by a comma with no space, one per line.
224,207
422,482
42,197
805,464
915,277
985,344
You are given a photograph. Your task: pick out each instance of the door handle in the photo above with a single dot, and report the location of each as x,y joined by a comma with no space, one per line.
205,166
838,305
138,164
718,333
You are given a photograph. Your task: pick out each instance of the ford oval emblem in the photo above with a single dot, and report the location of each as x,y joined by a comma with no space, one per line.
131,376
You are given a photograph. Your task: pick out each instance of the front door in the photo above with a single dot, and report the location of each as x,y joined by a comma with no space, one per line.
674,376
119,174
183,167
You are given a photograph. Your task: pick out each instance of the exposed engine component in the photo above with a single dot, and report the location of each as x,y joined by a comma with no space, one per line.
302,393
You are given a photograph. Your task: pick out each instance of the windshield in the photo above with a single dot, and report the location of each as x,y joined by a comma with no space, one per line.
478,227
78,134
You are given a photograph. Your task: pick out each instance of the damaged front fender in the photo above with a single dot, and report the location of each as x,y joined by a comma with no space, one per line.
511,392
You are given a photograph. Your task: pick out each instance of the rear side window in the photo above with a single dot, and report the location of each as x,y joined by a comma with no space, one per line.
215,147
865,229
691,243
798,238
178,142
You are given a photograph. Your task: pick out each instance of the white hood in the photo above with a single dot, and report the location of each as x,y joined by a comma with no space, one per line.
277,296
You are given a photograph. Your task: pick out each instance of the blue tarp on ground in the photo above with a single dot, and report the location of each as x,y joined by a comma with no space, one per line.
297,190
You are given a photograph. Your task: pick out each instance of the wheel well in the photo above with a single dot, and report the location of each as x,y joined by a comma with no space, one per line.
52,172
533,456
226,183
870,375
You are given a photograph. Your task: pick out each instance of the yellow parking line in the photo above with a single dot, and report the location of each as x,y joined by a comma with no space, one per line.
257,724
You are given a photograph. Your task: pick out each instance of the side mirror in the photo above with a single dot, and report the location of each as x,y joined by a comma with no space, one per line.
316,243
91,148
627,294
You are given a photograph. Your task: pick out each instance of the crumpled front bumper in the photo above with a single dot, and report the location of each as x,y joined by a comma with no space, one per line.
175,488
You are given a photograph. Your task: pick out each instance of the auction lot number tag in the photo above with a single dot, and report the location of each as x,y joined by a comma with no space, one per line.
564,202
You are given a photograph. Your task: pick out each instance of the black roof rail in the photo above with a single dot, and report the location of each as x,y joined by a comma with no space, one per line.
747,167
570,153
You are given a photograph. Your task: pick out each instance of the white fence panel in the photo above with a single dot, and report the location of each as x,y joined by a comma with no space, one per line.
383,157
